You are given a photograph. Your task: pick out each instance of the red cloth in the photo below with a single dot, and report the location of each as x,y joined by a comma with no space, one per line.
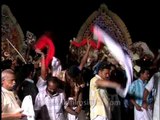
84,42
43,42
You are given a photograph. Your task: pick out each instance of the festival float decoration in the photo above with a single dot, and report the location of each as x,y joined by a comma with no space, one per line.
111,23
29,42
12,37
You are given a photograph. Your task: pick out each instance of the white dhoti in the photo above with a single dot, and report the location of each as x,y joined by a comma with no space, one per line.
100,118
142,115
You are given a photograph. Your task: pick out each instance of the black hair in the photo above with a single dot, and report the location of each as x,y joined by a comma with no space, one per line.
103,65
73,71
52,79
143,69
6,64
27,69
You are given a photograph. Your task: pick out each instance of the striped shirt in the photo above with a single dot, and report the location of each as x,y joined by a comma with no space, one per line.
55,104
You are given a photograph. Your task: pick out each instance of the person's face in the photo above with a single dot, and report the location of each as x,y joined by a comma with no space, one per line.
145,75
104,74
52,87
9,82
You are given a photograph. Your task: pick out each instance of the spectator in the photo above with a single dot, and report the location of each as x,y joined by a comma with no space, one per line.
10,102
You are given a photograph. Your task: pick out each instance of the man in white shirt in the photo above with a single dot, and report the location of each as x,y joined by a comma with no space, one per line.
153,84
10,107
52,99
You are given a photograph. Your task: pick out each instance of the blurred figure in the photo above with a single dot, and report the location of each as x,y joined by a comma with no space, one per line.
27,87
98,97
153,85
136,91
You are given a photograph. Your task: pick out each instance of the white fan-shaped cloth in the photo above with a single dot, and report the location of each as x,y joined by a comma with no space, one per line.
56,66
118,53
27,106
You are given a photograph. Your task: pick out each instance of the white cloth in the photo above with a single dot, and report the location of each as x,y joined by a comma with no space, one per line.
27,106
72,117
56,66
118,53
41,84
81,116
100,118
142,115
154,83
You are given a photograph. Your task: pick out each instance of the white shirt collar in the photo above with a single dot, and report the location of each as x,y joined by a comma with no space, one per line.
47,94
98,76
5,90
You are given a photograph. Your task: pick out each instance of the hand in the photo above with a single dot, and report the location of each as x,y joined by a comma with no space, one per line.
78,110
19,115
120,90
38,51
145,105
138,108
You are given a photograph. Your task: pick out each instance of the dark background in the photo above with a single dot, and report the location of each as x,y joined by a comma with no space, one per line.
64,18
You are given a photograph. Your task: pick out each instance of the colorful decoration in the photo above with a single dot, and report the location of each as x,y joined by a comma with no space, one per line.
46,42
110,23
95,45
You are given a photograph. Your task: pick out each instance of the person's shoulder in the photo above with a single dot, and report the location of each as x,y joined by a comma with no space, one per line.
137,80
41,93
93,79
157,74
61,91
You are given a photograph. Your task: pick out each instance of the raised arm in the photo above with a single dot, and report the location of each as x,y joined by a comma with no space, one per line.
43,68
85,57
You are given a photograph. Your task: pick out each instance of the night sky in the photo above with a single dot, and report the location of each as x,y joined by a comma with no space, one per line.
64,18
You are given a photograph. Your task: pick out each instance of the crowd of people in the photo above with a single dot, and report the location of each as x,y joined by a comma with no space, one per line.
80,92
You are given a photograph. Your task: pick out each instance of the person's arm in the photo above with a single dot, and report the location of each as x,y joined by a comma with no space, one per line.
17,115
146,92
69,110
135,104
131,91
145,95
85,57
66,107
43,68
79,102
107,84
